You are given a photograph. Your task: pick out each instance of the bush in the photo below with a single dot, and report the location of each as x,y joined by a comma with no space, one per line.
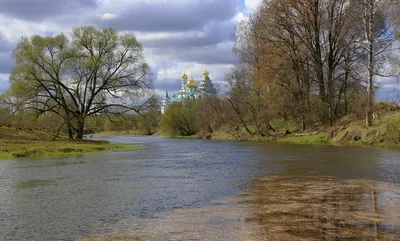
393,129
5,117
179,119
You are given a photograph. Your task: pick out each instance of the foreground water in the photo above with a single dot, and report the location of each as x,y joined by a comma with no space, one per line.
189,188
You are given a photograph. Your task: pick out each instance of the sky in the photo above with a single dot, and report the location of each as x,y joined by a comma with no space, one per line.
177,35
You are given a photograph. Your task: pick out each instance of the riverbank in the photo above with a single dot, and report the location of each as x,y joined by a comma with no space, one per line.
282,208
119,133
33,148
33,143
385,133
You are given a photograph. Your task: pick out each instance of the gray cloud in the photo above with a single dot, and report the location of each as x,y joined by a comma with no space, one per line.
388,94
208,55
37,10
211,45
172,85
4,84
206,24
211,34
6,63
387,81
3,87
215,54
171,16
5,45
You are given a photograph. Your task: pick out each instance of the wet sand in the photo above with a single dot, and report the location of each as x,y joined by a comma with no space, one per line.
282,208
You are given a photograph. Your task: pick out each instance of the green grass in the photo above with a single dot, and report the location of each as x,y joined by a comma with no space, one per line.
17,142
384,133
5,156
321,138
186,137
25,134
33,148
119,133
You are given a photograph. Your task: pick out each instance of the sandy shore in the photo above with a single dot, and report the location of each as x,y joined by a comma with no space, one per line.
283,208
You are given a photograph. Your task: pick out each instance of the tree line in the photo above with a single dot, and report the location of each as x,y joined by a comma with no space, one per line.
51,125
302,63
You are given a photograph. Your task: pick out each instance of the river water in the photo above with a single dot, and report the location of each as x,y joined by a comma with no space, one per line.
109,192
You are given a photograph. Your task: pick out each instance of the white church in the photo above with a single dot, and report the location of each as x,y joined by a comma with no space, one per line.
190,90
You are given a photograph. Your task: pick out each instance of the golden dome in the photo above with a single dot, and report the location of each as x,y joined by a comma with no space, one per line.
184,76
205,73
191,83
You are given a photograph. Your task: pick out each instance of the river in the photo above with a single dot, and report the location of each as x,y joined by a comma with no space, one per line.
73,197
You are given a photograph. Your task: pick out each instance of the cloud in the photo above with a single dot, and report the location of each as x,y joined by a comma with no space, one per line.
12,29
212,45
210,34
5,44
389,93
208,55
252,5
177,35
172,85
6,63
387,81
171,16
39,10
4,85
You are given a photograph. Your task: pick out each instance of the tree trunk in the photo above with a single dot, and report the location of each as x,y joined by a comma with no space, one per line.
302,122
70,134
69,126
369,111
239,115
79,130
317,58
369,38
346,79
370,91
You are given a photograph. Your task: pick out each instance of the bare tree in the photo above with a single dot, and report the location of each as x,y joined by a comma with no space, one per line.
319,37
377,40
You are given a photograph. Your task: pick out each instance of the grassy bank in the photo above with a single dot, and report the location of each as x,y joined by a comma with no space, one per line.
186,137
36,143
385,133
320,138
349,130
33,148
118,133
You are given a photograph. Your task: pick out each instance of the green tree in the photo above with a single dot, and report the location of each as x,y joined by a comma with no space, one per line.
179,119
94,72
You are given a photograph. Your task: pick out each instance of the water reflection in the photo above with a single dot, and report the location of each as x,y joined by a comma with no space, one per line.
283,208
327,208
33,183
